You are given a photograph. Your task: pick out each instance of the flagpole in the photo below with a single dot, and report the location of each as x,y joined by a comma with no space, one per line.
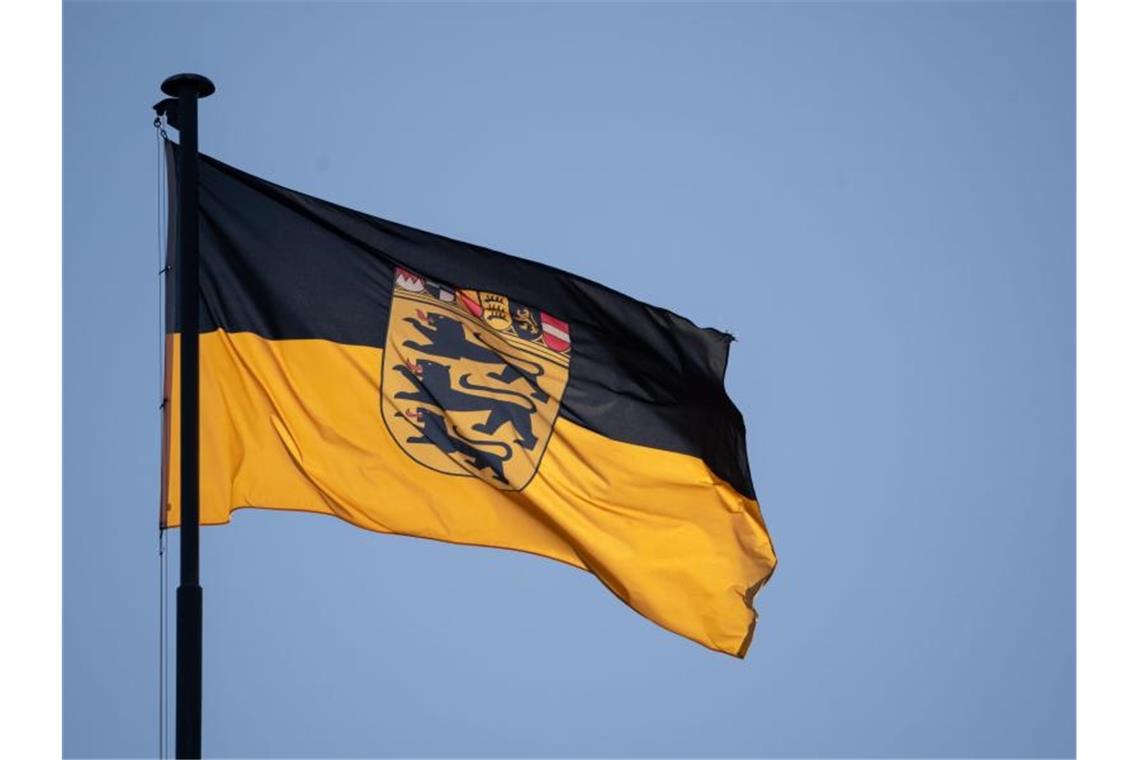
188,88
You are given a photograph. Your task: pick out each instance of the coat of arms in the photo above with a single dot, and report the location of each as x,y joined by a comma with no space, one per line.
472,381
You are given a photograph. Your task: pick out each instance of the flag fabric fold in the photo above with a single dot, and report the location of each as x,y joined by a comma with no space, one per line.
413,384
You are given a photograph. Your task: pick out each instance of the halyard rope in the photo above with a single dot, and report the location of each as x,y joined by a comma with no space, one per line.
160,134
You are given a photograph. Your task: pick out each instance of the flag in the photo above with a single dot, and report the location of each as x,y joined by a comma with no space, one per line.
413,384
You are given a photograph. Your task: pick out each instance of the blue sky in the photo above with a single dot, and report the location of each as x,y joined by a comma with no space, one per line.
875,198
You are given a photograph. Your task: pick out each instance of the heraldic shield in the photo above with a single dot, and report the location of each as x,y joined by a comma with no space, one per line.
472,381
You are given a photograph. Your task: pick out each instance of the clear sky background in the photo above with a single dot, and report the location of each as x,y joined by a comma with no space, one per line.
875,198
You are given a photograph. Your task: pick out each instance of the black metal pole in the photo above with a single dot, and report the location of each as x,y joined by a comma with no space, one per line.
188,88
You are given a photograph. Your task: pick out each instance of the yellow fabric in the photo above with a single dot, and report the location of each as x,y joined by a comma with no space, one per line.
295,425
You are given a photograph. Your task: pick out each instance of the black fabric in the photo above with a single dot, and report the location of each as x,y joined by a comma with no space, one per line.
283,265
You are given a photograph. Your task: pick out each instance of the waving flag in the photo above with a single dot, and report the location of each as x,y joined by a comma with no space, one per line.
413,384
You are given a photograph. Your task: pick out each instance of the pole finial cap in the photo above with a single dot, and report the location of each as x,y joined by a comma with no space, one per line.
200,85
